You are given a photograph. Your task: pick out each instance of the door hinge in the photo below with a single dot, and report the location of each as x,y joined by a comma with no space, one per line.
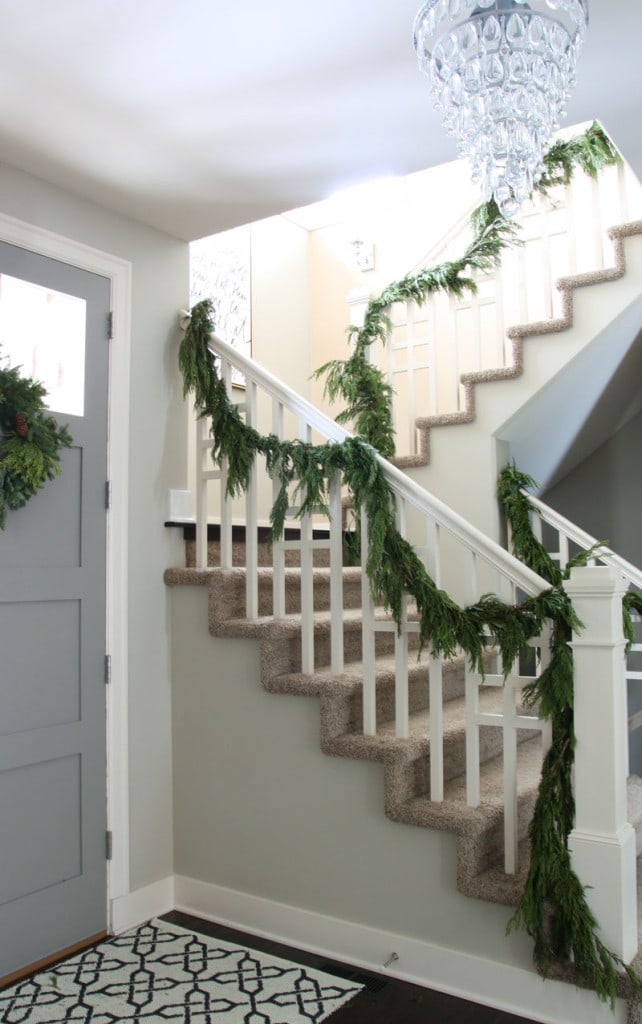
108,844
107,669
107,494
110,326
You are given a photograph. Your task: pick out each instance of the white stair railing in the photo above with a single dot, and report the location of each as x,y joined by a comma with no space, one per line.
562,539
429,346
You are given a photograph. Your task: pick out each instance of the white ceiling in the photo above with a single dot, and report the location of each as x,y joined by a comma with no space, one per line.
197,115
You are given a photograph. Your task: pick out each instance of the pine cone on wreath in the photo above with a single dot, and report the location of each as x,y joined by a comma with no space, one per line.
21,426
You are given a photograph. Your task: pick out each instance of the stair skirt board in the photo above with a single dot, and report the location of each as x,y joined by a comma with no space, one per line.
512,989
141,905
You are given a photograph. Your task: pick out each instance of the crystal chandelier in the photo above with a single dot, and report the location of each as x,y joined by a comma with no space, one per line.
501,71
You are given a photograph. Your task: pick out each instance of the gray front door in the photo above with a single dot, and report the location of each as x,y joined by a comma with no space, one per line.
52,631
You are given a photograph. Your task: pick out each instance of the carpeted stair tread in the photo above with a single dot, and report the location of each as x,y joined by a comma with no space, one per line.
386,743
479,830
350,681
495,885
529,764
290,624
235,581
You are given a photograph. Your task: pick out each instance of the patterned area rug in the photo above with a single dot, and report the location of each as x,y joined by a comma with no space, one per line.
162,973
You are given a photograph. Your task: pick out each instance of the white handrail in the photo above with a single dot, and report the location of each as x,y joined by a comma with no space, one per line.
584,540
407,489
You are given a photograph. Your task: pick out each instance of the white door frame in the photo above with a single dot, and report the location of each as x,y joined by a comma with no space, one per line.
119,272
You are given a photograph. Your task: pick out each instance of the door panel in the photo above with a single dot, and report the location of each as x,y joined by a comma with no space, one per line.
53,871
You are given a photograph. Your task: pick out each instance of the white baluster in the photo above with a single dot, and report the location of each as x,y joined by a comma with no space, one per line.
251,519
278,551
336,574
307,596
472,684
597,219
509,738
226,503
226,519
436,728
307,577
545,266
564,553
401,648
473,781
435,677
543,662
201,494
571,234
367,639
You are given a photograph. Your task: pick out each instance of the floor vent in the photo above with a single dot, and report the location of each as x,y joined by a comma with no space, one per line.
371,982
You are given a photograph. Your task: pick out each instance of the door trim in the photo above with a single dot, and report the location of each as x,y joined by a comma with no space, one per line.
119,273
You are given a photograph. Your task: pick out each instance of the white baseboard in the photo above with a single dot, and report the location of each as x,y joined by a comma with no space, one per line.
141,905
507,988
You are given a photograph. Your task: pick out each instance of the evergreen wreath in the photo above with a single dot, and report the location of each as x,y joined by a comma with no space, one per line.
361,385
30,440
553,908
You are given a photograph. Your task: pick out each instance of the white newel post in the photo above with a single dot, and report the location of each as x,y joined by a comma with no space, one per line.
602,844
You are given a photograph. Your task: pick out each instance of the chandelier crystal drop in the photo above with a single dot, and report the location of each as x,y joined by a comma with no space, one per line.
501,72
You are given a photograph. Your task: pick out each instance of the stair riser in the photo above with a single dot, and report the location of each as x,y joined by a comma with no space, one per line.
453,686
264,553
232,598
488,850
286,649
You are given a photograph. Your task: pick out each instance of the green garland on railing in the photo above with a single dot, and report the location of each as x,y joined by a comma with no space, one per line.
393,567
553,908
362,386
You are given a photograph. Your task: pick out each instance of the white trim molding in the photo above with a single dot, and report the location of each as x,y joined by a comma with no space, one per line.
502,986
119,273
141,905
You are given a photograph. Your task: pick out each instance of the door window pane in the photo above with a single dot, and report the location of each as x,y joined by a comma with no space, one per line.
43,331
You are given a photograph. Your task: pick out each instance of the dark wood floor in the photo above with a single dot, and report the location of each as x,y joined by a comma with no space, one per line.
384,1000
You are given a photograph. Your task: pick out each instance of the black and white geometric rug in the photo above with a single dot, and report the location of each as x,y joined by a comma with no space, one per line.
162,973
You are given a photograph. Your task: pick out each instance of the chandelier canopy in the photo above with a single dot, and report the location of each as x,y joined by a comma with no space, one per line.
501,72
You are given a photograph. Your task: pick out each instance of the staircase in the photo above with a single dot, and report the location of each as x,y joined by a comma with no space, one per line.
459,753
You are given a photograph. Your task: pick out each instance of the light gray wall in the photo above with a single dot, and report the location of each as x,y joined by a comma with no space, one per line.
259,809
603,493
157,462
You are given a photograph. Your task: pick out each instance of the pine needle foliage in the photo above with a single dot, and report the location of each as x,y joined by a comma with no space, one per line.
363,387
553,909
30,440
